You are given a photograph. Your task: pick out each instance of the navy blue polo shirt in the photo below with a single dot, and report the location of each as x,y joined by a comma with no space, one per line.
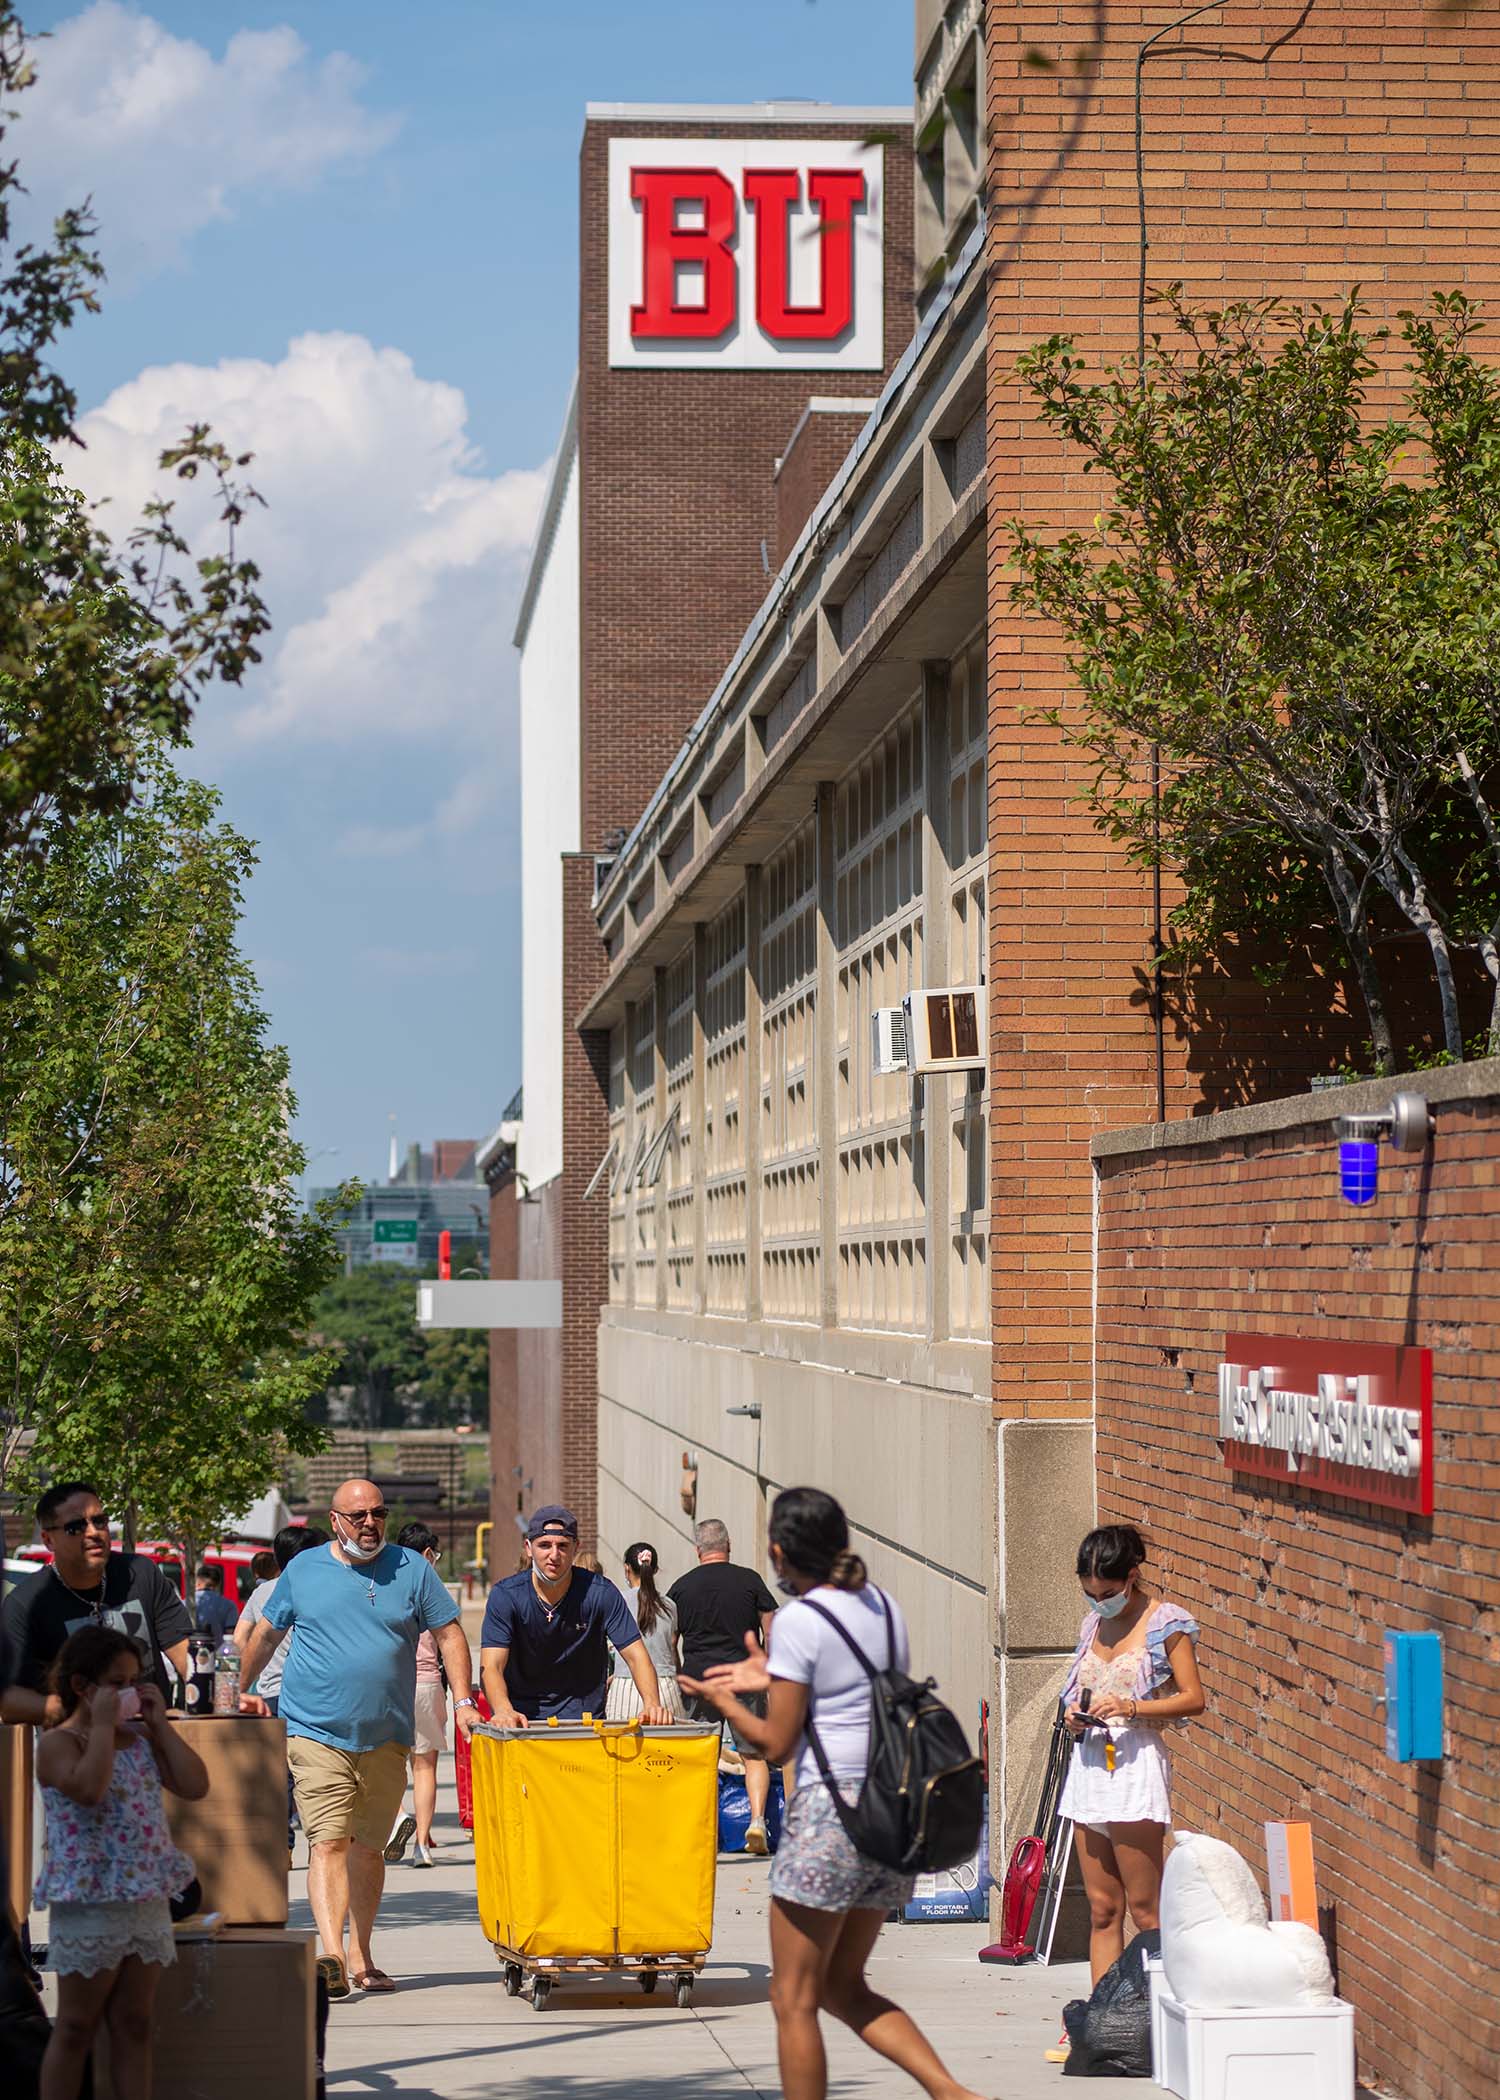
558,1663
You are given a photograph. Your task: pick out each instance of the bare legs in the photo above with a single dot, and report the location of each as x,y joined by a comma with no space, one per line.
757,1787
818,1963
424,1766
119,2000
1120,1872
345,1880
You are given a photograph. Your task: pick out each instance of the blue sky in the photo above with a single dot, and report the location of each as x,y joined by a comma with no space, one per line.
346,234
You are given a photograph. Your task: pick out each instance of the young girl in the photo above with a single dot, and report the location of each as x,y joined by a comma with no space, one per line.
656,1616
110,1864
1135,1660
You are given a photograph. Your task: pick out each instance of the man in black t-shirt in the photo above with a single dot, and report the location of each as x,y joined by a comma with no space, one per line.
717,1605
87,1584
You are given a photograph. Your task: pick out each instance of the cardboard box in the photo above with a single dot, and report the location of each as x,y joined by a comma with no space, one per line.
236,1836
15,1816
1289,1873
235,2020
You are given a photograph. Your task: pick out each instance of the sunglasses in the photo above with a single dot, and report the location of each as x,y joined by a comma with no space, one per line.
76,1526
357,1516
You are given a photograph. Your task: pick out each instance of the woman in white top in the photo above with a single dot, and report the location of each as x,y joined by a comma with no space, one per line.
1136,1664
828,1901
656,1616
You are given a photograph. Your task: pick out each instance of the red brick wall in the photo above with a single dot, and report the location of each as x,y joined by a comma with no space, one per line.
540,1354
504,1375
808,464
584,1226
1294,1589
677,496
1361,151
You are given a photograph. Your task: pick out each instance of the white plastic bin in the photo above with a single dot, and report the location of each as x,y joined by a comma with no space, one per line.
1297,2052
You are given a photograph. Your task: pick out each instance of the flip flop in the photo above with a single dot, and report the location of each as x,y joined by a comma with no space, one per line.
374,1980
331,1969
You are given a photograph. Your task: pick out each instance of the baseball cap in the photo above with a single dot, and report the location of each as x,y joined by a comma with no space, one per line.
552,1517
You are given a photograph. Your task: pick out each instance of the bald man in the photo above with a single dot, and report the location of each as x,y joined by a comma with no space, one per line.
348,1694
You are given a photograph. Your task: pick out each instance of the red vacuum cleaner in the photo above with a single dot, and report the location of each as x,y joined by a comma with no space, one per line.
1032,1864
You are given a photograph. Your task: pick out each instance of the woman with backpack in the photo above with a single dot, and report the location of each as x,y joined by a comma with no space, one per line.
828,1900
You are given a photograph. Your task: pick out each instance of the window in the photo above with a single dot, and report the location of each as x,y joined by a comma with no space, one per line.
791,1228
968,963
680,1152
641,1023
880,1203
618,1210
724,1112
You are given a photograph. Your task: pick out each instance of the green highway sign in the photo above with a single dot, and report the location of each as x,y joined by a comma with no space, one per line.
390,1230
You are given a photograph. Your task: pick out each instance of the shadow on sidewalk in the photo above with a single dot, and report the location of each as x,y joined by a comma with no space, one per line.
382,2078
736,1983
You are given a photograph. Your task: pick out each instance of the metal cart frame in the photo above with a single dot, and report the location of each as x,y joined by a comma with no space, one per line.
538,1975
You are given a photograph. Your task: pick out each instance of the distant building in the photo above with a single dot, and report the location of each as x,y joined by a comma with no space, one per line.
434,1189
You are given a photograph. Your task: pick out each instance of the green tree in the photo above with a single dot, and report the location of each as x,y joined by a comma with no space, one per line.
156,1271
103,652
1285,625
366,1323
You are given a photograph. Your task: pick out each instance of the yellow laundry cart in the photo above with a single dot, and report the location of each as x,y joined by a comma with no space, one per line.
595,1845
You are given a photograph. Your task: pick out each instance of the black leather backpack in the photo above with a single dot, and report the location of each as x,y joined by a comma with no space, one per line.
922,1803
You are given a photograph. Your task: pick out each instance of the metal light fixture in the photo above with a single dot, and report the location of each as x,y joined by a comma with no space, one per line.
1406,1126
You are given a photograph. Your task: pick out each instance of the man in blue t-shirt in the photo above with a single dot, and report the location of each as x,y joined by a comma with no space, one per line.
348,1694
543,1648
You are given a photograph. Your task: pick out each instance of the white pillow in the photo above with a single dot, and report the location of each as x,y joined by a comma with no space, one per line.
1216,1945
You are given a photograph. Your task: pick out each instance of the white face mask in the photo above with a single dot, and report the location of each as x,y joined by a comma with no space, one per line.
354,1549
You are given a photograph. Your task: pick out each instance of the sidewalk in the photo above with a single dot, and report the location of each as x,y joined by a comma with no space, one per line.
451,2033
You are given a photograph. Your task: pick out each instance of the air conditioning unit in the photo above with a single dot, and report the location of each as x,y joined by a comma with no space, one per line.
945,1029
889,1039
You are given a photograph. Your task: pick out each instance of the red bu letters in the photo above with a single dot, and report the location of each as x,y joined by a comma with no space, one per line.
745,253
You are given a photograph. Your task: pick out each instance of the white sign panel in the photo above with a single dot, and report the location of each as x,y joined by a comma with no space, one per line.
746,254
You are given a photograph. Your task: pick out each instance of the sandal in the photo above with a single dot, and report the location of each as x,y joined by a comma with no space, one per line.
335,1981
374,1980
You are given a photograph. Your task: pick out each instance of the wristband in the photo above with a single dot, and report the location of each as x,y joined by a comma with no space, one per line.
466,1702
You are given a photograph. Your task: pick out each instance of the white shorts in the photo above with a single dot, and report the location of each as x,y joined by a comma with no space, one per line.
431,1719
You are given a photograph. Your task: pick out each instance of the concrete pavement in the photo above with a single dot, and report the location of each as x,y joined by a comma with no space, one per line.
451,2033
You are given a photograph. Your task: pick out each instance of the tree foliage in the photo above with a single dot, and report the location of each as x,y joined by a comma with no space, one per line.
1285,624
156,1271
104,651
397,1374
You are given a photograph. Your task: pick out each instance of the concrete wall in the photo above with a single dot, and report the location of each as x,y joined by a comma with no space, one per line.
549,827
864,1416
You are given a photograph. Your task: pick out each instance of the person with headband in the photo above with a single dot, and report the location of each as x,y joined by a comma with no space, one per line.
1133,1675
656,1617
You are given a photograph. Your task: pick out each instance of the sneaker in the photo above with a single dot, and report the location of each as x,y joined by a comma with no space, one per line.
400,1838
755,1839
421,1855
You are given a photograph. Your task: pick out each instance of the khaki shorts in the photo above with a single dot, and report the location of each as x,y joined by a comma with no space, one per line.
430,1720
346,1793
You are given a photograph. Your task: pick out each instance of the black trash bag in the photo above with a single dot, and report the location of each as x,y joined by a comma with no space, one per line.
1109,2034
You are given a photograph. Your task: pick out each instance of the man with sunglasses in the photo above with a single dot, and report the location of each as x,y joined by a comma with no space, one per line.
87,1584
348,1698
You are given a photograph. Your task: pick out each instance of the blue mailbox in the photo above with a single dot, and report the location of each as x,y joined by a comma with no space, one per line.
1413,1696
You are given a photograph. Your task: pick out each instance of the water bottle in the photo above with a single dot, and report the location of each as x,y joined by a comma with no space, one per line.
227,1680
198,1690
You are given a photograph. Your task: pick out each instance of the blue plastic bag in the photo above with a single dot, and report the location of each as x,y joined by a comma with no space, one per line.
734,1812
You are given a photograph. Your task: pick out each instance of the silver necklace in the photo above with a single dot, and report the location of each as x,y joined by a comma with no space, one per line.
366,1575
95,1606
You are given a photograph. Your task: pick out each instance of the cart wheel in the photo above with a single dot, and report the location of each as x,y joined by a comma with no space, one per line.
541,1991
513,1979
649,1980
684,1990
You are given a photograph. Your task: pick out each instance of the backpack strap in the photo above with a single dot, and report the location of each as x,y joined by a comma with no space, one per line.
809,1728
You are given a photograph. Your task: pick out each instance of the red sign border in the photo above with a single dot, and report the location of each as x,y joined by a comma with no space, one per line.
1399,1362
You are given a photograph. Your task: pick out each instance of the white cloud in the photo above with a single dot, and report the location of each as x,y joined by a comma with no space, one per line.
164,136
390,560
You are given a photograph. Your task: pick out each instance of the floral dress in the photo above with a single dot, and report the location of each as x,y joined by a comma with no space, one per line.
108,1871
1139,1789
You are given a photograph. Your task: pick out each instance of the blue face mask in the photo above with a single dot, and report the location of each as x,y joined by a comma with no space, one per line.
1109,1607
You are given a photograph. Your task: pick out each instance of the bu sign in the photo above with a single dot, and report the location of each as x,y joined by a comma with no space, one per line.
748,254
1344,1418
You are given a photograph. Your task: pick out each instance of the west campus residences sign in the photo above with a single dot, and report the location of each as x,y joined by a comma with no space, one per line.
1342,1418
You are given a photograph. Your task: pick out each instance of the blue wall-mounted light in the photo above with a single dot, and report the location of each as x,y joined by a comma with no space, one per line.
1406,1126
